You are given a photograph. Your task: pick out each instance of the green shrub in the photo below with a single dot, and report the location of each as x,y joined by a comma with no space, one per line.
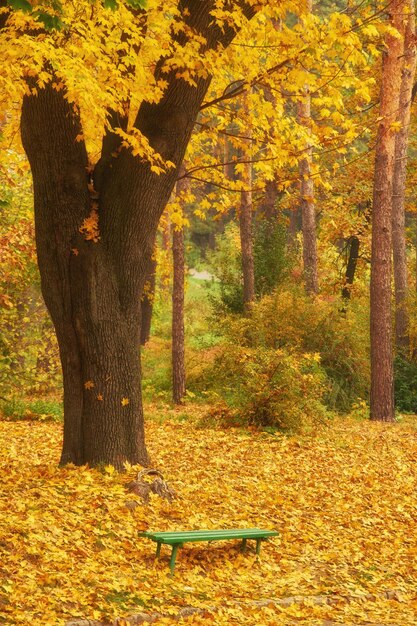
269,388
271,260
36,410
225,263
271,263
296,324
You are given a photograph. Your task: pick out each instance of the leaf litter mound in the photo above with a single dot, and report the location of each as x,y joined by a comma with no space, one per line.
343,499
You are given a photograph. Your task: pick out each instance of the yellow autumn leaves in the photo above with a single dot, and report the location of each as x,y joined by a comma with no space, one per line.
342,498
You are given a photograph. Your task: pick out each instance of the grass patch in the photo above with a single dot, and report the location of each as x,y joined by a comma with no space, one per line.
42,410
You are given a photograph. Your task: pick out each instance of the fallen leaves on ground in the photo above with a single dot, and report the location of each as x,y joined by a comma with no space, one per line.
343,499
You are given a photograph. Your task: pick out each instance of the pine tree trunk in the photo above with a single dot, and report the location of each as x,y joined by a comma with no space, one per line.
269,207
178,332
308,209
246,242
246,232
402,339
351,265
382,393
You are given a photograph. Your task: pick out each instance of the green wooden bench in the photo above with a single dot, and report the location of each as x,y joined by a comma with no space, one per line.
177,539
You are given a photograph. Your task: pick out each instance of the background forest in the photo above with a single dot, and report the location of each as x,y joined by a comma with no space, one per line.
231,186
271,226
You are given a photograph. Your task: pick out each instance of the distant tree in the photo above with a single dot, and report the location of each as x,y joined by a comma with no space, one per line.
308,209
402,338
147,303
246,228
178,285
382,384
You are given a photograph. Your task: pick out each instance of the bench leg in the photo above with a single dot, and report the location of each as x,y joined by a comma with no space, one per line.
258,546
173,557
158,550
243,548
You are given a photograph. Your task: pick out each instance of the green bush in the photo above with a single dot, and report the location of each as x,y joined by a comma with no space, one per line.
289,321
271,263
271,259
269,388
36,410
225,263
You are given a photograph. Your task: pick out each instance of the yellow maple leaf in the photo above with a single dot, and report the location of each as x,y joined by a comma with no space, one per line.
88,384
89,228
125,401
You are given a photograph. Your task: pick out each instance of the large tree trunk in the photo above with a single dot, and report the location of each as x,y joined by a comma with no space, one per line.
382,393
402,339
94,252
178,288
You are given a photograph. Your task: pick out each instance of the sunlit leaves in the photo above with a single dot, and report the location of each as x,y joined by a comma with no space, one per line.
90,228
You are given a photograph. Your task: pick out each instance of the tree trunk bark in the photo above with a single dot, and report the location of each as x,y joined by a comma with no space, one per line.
178,332
307,207
246,232
382,392
269,208
246,242
402,339
93,257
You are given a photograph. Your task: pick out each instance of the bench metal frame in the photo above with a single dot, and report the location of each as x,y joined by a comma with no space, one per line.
177,539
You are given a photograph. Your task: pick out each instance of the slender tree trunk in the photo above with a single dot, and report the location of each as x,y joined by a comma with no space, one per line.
294,226
147,303
272,194
165,276
246,233
308,209
178,332
415,251
228,167
308,214
351,266
246,242
382,393
402,339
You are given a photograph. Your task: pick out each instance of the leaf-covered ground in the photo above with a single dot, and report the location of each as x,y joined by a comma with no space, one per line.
343,499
